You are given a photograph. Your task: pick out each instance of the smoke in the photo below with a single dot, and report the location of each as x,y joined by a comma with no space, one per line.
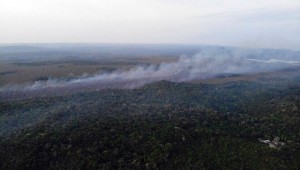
276,61
203,65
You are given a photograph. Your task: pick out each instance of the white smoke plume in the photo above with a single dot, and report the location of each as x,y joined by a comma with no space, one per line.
206,64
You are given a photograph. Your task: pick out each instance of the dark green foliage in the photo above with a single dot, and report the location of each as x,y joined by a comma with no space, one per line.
42,78
160,126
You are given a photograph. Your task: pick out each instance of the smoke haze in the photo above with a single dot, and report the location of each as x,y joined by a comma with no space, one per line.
203,65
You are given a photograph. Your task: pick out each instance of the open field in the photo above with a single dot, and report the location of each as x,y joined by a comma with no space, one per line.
24,72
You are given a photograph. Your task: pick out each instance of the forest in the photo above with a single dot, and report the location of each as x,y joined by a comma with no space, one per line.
162,125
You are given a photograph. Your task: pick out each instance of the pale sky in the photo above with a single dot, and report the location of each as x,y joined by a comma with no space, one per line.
246,23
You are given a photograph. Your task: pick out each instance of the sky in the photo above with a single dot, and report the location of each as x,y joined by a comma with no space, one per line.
251,23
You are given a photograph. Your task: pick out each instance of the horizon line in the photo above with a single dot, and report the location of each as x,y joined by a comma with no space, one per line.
129,43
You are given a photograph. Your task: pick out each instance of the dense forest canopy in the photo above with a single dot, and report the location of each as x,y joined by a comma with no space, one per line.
163,125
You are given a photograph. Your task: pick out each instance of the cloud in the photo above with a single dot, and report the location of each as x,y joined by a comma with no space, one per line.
217,22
